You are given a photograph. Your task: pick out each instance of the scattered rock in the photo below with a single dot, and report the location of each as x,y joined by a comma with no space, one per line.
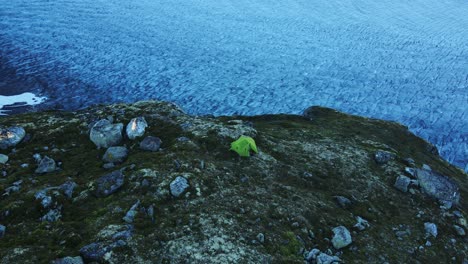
312,255
459,230
108,165
104,134
151,143
343,202
69,260
2,231
136,127
382,157
323,258
178,186
439,187
115,155
426,167
67,188
431,229
341,237
46,165
53,215
37,157
261,238
131,213
409,162
11,136
402,183
109,183
94,252
3,158
361,223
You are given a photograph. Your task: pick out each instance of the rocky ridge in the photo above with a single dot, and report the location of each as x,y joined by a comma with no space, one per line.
147,183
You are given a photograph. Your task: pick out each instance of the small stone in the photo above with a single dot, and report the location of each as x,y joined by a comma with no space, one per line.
37,157
431,229
459,230
312,255
94,252
52,216
343,202
341,237
11,136
3,158
46,165
136,127
2,231
150,143
178,186
411,171
402,183
131,213
115,155
361,223
109,183
323,258
69,260
382,157
24,165
67,188
428,243
104,134
426,167
261,238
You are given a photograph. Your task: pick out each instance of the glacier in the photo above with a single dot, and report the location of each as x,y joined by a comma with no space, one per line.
398,60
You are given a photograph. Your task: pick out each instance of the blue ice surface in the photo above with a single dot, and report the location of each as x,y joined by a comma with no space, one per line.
391,59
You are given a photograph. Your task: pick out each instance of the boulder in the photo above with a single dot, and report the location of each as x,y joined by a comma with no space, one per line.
115,155
341,237
67,188
402,183
151,143
104,134
178,186
46,165
11,136
382,157
109,183
136,127
439,187
431,229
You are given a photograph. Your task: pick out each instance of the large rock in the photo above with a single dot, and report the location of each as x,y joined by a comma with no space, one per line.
11,136
341,237
382,157
150,144
115,155
136,127
109,183
178,186
402,183
104,134
46,165
438,187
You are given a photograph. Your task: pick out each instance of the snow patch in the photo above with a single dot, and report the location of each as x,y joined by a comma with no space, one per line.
19,100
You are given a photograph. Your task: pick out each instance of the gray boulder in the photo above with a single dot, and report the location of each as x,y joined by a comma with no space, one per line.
341,237
104,134
438,187
431,229
109,183
46,165
323,258
402,183
382,157
11,136
136,127
130,215
459,230
115,155
343,202
151,143
178,186
69,260
67,188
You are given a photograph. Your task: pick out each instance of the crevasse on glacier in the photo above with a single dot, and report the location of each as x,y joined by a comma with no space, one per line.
398,60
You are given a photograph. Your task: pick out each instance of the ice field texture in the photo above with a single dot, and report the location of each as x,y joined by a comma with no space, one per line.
393,59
